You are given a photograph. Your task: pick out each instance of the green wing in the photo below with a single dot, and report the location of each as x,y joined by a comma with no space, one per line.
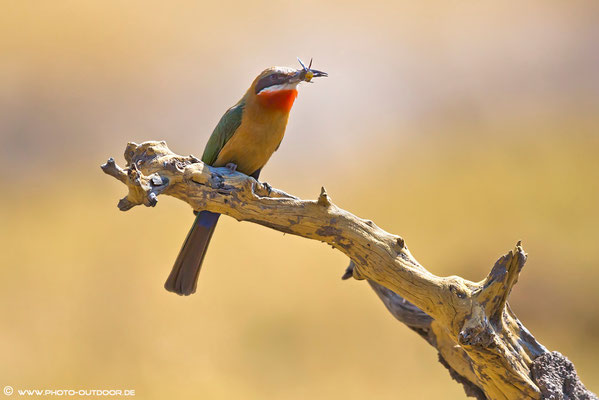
224,131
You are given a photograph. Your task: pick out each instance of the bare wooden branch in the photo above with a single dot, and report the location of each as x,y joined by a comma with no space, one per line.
478,337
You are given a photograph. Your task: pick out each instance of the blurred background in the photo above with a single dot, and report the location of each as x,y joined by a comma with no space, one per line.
462,126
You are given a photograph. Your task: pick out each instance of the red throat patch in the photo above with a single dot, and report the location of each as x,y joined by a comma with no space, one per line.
278,100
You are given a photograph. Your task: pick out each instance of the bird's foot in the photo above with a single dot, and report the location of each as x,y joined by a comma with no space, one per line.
232,167
267,186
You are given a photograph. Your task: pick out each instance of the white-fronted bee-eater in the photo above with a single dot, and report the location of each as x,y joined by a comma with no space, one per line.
244,139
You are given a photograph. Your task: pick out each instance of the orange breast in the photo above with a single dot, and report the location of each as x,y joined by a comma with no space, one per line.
255,140
279,99
262,128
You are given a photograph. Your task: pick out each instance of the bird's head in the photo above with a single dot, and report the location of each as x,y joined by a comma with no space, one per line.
276,87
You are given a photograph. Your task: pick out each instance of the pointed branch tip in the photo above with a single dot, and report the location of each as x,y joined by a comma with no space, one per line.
110,168
324,199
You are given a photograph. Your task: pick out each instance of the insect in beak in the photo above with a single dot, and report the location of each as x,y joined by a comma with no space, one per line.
308,73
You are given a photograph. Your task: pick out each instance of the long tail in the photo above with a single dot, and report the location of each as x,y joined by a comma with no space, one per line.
184,275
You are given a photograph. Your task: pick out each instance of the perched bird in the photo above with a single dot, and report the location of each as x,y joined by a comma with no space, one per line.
244,139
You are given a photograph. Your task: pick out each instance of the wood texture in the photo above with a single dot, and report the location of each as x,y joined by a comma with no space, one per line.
478,337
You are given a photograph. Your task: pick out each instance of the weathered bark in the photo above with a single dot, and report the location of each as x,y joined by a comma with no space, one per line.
478,337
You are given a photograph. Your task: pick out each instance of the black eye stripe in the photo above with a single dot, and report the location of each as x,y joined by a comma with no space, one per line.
271,80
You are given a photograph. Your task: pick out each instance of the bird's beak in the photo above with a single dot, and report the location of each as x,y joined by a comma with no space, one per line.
302,75
318,73
306,74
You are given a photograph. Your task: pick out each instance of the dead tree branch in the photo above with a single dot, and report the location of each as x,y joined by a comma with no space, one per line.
478,337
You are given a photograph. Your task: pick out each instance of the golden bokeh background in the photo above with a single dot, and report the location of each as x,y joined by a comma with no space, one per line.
462,126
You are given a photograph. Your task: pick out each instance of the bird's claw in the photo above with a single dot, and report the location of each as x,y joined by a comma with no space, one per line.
267,186
232,167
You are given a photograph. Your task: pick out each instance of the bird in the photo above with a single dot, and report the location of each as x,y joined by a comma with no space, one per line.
243,140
